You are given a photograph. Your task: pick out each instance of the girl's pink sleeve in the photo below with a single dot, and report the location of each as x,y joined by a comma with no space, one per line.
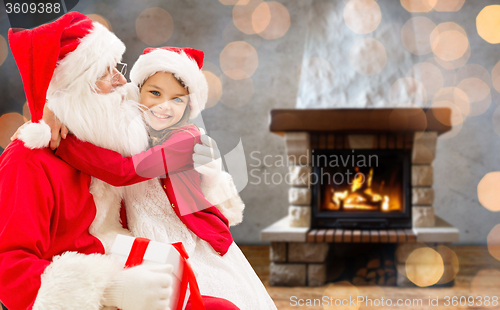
111,167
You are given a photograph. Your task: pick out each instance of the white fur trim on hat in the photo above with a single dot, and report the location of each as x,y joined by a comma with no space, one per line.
181,66
98,50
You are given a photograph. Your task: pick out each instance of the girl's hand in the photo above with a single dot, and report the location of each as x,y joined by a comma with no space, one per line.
57,129
14,136
208,163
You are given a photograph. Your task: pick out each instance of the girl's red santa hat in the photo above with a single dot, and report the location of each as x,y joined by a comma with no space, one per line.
184,63
71,51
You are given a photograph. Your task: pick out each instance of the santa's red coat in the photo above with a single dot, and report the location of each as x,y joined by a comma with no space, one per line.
45,210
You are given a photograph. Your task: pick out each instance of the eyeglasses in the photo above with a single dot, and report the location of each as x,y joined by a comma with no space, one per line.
121,69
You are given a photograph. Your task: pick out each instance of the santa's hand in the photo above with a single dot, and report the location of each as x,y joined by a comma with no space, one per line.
145,287
57,129
208,162
14,136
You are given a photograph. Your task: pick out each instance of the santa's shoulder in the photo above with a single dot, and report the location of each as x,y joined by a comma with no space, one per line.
19,157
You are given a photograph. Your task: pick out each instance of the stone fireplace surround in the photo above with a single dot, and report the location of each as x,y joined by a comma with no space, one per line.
300,255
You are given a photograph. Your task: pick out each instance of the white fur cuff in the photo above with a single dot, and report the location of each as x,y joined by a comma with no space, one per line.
225,197
76,281
35,135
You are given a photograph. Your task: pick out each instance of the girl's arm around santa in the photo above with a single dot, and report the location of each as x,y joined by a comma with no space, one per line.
175,154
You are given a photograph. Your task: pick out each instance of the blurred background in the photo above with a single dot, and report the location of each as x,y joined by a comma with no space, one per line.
263,55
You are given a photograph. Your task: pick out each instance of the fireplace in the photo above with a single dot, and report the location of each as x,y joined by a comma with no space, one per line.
361,186
363,189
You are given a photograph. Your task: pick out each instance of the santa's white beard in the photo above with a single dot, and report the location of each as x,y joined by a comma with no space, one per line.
108,121
105,120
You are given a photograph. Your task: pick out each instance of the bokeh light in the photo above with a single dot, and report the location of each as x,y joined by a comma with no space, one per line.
494,235
495,76
456,100
415,35
448,74
448,5
473,70
418,6
154,26
4,49
9,123
243,15
213,75
279,20
488,191
488,24
362,16
424,267
454,64
478,93
475,89
239,60
486,283
429,75
368,56
341,290
214,89
475,81
261,17
101,20
237,93
449,41
451,258
408,92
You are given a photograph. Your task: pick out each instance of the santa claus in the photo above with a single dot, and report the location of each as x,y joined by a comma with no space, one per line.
57,223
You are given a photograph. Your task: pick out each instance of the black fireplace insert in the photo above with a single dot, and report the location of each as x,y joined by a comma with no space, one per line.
362,189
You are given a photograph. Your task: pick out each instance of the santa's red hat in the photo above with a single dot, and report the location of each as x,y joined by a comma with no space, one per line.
51,57
184,63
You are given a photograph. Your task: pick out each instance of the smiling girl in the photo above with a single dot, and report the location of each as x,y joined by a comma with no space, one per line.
172,207
167,100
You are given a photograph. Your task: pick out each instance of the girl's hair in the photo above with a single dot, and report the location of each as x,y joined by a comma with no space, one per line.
160,136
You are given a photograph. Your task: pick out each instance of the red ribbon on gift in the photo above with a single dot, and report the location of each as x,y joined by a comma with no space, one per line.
136,257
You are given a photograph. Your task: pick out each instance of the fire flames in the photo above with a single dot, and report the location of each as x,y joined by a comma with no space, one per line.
360,196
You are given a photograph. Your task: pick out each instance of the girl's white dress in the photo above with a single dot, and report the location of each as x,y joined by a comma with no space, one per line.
230,276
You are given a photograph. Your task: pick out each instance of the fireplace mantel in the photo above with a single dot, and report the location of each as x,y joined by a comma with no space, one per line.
360,120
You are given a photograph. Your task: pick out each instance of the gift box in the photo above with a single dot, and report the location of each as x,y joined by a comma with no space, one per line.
132,251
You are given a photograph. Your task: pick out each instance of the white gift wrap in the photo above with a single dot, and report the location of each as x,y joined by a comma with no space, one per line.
156,253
